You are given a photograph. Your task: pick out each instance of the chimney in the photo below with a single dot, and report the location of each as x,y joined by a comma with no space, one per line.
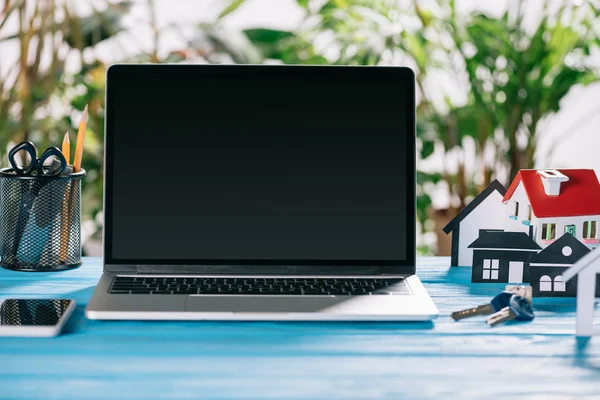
551,179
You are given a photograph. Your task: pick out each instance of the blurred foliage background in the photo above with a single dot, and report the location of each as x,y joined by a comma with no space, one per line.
512,77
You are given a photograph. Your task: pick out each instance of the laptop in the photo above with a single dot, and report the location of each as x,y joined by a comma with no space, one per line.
260,192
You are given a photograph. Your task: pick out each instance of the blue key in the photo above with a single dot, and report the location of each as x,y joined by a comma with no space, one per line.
519,309
498,303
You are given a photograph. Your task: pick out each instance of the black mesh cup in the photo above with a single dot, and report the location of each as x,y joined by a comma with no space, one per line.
40,221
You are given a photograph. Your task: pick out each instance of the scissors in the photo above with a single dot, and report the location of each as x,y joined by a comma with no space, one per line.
57,166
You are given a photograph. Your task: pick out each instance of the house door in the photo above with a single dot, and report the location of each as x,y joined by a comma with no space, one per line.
515,271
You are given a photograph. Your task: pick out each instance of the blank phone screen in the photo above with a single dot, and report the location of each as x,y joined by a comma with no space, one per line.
30,312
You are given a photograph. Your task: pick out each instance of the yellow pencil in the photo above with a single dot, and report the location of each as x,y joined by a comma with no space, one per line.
66,207
66,148
80,140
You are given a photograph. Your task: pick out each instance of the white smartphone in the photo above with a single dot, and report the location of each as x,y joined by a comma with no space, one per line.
34,317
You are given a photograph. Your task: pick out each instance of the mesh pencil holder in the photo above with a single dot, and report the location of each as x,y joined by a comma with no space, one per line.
40,221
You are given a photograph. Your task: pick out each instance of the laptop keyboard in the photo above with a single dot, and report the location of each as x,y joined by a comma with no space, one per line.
262,286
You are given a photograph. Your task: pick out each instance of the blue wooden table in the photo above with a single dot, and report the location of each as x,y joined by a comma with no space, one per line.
443,359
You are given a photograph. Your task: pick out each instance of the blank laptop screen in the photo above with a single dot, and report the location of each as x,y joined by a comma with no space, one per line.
290,164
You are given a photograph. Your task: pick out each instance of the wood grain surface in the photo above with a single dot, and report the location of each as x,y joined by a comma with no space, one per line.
443,359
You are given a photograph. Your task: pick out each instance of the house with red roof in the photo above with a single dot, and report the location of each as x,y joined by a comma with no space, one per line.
546,204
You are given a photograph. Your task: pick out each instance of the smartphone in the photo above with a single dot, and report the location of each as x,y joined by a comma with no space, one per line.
34,317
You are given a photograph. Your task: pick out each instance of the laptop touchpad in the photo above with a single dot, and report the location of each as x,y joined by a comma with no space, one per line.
259,304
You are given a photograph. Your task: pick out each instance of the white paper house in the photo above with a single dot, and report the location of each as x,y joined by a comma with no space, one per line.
546,204
587,270
484,212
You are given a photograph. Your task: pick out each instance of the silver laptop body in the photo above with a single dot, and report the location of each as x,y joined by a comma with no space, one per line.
259,193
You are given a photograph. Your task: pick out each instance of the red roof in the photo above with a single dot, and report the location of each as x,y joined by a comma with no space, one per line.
580,195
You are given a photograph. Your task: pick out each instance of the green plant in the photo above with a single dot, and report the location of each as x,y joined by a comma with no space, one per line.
518,78
513,78
39,99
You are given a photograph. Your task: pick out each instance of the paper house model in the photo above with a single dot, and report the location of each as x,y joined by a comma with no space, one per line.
587,271
485,211
547,267
546,204
502,257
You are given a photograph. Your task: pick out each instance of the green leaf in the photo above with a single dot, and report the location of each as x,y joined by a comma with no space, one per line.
470,121
100,26
415,45
272,43
424,250
266,35
423,205
425,16
303,3
329,7
316,60
427,148
561,85
587,78
562,40
231,7
491,37
423,177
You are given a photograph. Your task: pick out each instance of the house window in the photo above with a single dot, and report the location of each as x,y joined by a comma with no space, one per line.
548,231
590,230
545,284
570,229
490,269
559,285
529,213
516,210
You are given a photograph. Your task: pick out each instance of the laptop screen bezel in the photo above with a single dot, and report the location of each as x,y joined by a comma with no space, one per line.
117,72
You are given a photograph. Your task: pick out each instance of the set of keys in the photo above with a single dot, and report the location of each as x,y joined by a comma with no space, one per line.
512,304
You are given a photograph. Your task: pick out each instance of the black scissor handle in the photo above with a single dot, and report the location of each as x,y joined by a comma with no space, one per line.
56,168
21,169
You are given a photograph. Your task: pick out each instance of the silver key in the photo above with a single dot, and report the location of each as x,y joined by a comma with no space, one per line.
519,309
497,303
484,309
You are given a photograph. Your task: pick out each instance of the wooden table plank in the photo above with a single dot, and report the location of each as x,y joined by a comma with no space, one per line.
269,360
